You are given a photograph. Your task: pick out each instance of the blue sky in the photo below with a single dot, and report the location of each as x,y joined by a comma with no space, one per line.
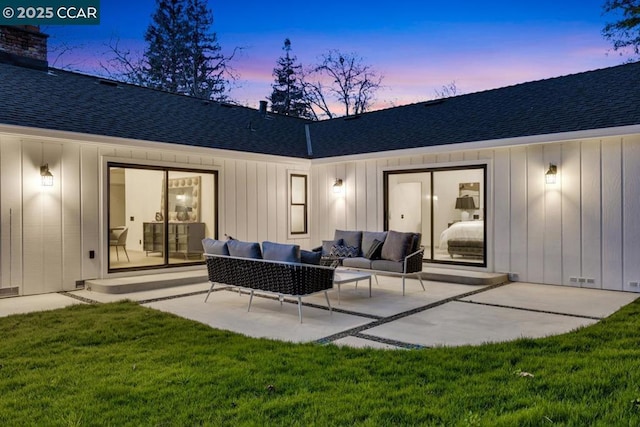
417,46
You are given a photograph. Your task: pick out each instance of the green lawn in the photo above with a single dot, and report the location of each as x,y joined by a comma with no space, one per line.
123,364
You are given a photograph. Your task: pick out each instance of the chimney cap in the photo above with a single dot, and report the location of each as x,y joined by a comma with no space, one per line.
263,107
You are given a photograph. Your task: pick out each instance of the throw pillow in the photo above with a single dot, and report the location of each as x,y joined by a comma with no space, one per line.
327,245
375,250
280,252
214,247
349,238
343,251
397,245
310,257
368,237
244,249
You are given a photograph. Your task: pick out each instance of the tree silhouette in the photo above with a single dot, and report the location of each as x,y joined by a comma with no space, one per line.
287,96
182,53
346,79
625,32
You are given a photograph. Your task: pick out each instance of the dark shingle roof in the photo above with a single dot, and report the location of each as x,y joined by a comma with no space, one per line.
591,100
74,102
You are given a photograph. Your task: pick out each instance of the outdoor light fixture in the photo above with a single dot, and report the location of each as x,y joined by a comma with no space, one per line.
465,204
550,176
337,186
47,176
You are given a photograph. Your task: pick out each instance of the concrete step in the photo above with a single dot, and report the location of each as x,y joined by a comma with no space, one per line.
123,285
464,277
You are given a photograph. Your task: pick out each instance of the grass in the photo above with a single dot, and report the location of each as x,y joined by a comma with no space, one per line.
123,364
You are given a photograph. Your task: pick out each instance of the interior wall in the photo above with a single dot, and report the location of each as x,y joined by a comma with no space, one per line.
142,201
582,231
424,178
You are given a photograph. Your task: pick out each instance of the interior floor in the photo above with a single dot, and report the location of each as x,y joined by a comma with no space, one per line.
144,259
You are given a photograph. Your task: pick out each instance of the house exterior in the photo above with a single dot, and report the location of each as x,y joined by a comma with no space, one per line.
178,168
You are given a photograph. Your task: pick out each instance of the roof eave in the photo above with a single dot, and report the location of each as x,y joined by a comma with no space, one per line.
487,144
56,135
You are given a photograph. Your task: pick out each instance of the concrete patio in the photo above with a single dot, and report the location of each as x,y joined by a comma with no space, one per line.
446,314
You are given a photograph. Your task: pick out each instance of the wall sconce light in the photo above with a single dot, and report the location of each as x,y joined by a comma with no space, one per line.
550,176
338,186
47,176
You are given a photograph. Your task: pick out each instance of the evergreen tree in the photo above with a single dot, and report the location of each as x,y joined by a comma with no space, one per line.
288,96
167,47
624,33
206,65
183,55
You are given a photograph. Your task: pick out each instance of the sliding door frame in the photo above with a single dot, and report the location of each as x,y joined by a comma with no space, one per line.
166,169
431,170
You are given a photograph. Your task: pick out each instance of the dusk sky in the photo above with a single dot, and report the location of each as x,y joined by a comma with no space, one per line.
418,46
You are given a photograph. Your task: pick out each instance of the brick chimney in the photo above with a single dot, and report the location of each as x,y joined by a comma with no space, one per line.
23,45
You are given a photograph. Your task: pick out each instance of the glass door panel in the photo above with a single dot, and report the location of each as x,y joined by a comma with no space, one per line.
409,207
158,217
459,215
446,206
136,238
191,214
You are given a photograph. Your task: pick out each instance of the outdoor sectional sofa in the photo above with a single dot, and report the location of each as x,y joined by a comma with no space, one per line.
277,268
386,252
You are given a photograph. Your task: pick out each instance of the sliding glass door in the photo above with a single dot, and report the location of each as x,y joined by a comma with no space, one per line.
159,216
447,206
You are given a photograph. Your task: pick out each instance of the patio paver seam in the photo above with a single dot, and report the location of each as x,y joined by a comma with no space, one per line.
170,297
389,341
534,310
78,297
394,317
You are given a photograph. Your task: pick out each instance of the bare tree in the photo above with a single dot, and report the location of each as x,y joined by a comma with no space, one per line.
346,79
59,52
447,91
625,32
123,65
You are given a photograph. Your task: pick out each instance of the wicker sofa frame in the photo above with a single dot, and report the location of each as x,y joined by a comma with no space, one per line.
272,277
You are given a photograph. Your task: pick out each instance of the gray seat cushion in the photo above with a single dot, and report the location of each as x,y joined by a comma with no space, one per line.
386,265
280,252
367,240
241,249
349,238
357,262
215,247
310,257
397,245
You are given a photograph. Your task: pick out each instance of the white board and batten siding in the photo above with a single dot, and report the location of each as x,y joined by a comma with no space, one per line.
582,231
254,198
47,232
